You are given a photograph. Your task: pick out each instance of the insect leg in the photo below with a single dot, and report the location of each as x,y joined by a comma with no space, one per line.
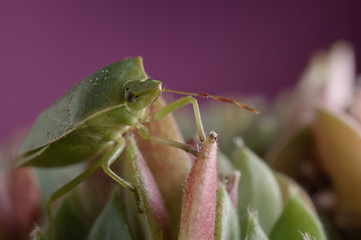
144,133
111,155
109,159
173,106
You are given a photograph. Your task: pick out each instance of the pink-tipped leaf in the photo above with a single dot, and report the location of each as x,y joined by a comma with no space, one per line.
199,201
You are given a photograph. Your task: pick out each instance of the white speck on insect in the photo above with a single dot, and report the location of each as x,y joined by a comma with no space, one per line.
102,70
96,79
106,71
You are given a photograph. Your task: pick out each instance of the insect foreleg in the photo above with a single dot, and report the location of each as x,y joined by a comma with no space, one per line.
173,106
105,161
144,133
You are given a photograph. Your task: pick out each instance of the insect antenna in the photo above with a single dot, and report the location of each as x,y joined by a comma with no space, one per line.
206,95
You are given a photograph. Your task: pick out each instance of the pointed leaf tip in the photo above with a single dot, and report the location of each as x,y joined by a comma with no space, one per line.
227,224
199,200
258,190
254,230
69,224
297,217
110,224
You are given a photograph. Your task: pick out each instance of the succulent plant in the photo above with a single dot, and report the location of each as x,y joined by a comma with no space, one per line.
311,134
210,197
308,139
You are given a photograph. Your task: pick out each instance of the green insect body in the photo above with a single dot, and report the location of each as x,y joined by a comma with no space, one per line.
90,116
91,119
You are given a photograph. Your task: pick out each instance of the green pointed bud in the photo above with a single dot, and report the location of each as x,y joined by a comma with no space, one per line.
297,219
227,225
258,190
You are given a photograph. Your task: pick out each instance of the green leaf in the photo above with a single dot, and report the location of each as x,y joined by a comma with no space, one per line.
297,219
258,190
227,225
288,187
110,225
68,223
289,153
254,230
224,165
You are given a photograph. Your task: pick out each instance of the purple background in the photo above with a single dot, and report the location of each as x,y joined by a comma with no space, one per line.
201,46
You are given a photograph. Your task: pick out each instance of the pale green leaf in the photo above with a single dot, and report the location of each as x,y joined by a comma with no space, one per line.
258,190
227,224
68,223
297,219
110,225
254,230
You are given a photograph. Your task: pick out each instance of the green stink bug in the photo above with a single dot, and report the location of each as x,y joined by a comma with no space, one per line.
92,117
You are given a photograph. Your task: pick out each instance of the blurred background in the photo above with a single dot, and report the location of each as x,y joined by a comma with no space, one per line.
219,47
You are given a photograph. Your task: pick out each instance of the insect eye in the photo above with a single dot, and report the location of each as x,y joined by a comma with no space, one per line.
130,97
127,89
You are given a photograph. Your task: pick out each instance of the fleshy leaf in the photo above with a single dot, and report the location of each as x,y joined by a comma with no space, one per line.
199,201
297,219
110,225
258,189
227,225
254,230
224,165
171,167
150,201
68,222
338,141
289,154
288,186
